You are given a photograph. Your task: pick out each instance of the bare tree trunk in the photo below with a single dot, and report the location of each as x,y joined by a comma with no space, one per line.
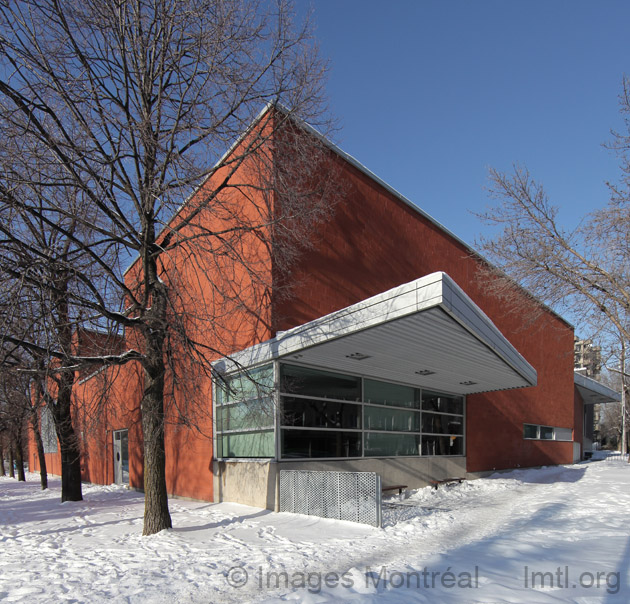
41,456
62,410
156,513
11,462
68,443
2,471
19,458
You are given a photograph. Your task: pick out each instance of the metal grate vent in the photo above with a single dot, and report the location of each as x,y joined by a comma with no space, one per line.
353,496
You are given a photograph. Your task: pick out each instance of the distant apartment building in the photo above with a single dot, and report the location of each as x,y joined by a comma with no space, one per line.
587,358
588,362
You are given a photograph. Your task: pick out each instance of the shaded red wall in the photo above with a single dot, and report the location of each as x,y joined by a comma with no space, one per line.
376,242
103,403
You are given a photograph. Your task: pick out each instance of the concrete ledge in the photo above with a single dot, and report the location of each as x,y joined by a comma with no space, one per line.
255,483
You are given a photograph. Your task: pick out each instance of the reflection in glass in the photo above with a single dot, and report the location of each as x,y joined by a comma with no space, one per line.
383,393
378,444
249,444
312,413
323,384
432,401
382,418
434,423
442,445
314,443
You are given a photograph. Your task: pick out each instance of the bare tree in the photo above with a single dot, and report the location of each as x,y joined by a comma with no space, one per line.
15,410
585,270
131,106
41,269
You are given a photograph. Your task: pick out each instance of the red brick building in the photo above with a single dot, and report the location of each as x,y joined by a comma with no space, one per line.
391,355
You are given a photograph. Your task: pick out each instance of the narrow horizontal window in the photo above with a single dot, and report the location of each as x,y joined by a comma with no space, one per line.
432,401
318,383
381,444
249,444
546,433
530,431
435,423
244,416
396,420
314,444
256,383
314,413
442,445
383,393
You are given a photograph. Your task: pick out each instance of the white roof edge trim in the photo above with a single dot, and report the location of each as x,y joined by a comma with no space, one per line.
458,305
430,291
581,381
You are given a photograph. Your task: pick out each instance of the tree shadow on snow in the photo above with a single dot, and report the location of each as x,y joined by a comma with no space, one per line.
221,523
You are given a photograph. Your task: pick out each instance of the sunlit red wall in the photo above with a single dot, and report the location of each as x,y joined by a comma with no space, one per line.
226,307
376,242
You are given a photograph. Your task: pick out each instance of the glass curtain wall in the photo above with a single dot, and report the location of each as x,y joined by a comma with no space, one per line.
245,414
330,415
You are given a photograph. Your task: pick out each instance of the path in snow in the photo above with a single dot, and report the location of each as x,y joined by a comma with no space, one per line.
495,536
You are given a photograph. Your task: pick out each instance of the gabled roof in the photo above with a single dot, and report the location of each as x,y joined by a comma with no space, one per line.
593,392
427,332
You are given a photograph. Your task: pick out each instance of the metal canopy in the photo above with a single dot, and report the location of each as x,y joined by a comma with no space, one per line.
427,333
593,392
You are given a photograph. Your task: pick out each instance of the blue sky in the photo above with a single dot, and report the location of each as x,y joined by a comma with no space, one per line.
429,94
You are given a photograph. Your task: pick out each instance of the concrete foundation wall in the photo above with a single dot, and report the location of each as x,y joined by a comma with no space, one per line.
249,482
255,483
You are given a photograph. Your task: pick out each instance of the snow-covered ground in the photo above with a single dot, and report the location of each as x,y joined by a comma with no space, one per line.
556,534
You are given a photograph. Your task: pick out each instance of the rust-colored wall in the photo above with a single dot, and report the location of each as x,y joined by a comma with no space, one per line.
221,300
224,294
106,402
377,242
373,243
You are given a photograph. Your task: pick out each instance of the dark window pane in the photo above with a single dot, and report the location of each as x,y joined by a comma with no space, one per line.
324,384
442,445
383,445
383,393
313,443
530,431
546,433
434,423
124,448
432,401
310,413
382,418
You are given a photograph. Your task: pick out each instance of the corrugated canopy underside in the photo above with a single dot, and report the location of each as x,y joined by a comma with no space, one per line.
427,333
593,392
